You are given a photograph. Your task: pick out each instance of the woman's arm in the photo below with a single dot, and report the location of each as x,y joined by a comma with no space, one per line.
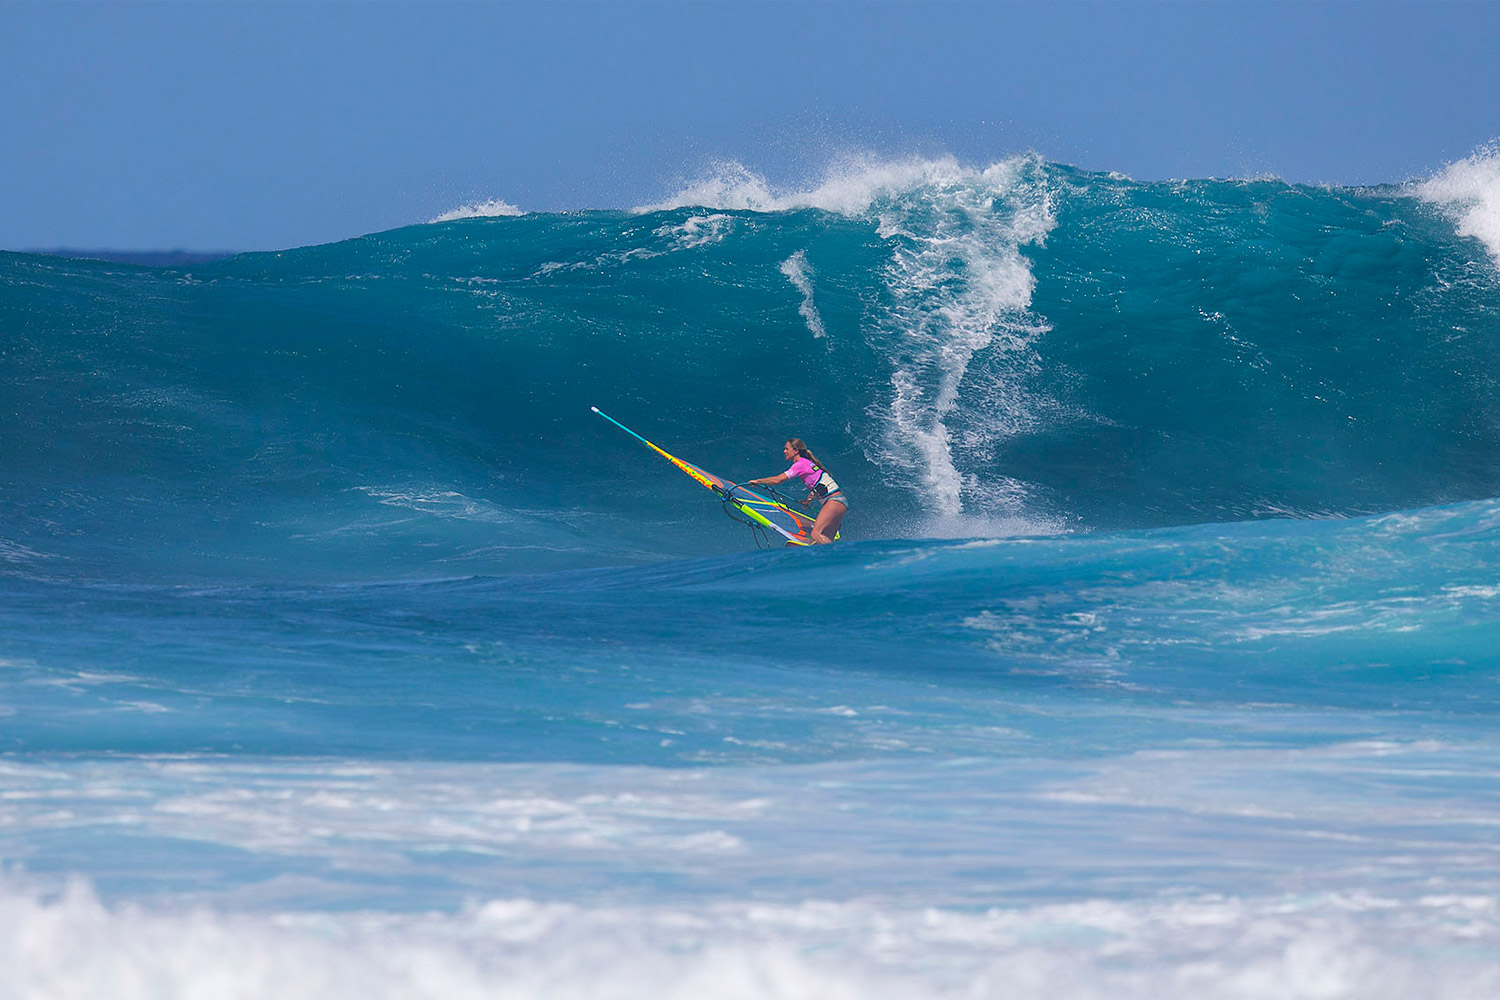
768,481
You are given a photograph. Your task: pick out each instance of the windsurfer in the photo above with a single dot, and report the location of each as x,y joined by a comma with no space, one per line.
820,485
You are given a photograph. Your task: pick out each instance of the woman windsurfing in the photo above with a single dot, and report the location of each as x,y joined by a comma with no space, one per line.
820,486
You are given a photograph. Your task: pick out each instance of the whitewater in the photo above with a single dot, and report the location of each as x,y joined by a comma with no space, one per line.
344,652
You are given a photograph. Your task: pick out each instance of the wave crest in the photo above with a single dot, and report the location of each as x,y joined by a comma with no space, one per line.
490,208
852,186
1470,191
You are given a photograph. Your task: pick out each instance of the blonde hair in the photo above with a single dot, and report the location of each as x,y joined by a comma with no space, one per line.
800,447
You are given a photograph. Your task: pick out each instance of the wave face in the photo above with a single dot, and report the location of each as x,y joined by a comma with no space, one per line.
1023,348
342,647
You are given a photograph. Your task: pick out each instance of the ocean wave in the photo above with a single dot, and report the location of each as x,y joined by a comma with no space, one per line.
1021,343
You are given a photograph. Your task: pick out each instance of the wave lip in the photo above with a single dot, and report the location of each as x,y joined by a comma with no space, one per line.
851,187
490,208
1470,191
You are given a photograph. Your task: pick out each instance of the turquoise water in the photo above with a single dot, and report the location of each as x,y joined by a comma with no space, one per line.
342,649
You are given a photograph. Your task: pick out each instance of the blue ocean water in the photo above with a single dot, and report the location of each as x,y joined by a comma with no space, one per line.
344,651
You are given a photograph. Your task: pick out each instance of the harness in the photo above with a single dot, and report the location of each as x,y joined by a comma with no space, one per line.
826,486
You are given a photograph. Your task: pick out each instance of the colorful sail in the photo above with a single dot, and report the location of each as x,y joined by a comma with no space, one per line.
758,508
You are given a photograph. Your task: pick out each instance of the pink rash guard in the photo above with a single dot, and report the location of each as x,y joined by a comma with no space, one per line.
804,470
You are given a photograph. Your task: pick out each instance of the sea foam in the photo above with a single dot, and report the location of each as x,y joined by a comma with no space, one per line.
799,273
72,945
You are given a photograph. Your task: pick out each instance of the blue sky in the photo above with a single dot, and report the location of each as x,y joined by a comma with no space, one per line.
251,126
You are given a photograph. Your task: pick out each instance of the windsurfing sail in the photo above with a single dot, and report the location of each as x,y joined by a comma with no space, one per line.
758,508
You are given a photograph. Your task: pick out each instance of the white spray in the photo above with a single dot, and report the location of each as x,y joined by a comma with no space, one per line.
957,283
799,273
1470,191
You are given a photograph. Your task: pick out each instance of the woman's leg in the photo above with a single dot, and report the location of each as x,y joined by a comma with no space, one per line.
827,524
